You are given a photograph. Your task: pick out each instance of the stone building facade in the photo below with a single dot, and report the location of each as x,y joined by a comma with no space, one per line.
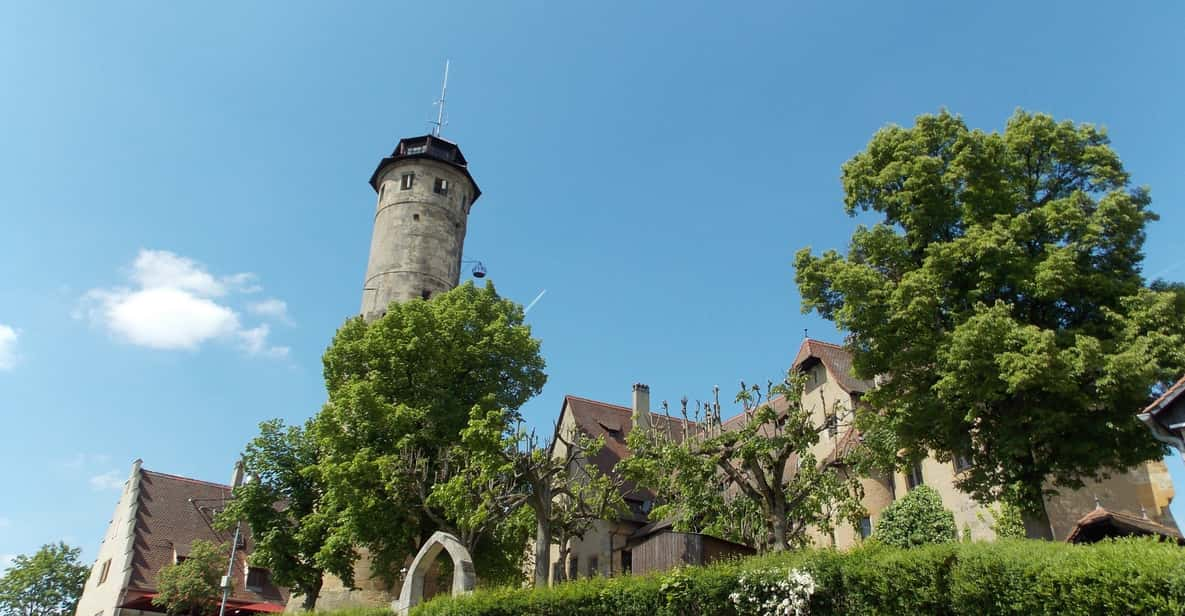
833,396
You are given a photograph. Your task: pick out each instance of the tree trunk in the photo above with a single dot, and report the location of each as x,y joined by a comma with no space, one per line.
310,598
542,549
1037,524
777,527
561,559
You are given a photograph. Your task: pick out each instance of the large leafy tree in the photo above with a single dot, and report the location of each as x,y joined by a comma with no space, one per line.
48,583
402,387
1000,297
757,481
284,504
191,587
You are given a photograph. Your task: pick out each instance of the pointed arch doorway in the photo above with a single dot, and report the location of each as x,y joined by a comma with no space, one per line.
464,575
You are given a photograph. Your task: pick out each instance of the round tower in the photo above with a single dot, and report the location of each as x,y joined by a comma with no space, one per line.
424,196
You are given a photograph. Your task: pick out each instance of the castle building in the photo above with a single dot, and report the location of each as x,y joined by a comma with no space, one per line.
424,194
155,523
1132,502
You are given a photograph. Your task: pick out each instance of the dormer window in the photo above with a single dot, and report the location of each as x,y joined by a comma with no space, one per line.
440,187
407,181
416,149
257,578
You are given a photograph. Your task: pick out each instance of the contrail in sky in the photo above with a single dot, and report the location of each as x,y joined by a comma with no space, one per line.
534,301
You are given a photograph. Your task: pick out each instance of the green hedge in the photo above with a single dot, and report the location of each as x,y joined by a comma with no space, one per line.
1010,577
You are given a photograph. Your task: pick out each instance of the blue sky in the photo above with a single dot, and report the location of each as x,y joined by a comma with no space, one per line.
654,167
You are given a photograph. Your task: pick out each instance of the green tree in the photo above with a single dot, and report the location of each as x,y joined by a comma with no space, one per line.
402,387
758,482
48,583
916,519
284,506
1000,294
191,586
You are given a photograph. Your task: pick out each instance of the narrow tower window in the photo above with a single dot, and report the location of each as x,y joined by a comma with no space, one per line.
408,180
441,186
425,294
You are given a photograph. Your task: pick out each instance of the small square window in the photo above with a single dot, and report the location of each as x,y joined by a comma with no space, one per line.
440,187
425,294
962,463
415,217
832,425
408,180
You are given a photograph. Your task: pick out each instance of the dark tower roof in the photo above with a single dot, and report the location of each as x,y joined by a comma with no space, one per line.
427,146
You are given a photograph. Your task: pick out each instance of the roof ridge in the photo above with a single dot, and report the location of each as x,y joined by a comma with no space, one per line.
824,342
189,479
608,404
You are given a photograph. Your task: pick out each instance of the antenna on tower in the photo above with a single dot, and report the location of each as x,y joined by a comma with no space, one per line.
440,121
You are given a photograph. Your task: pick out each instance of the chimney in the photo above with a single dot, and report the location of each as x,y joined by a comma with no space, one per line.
641,406
236,477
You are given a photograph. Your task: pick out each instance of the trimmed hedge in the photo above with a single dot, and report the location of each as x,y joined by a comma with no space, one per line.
1131,576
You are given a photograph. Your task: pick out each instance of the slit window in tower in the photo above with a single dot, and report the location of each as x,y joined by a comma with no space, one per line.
914,478
441,186
415,217
425,294
408,180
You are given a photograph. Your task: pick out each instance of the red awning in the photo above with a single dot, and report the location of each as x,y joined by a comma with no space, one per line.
271,608
143,601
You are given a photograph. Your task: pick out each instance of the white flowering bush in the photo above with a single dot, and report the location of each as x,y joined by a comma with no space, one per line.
774,592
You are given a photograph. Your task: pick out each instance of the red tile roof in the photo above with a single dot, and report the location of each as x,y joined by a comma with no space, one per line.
836,359
172,513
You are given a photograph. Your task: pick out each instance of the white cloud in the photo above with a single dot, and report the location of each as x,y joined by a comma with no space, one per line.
255,342
271,308
111,480
176,304
8,338
6,561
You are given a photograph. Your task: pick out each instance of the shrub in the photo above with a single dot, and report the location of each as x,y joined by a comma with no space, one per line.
1133,576
917,519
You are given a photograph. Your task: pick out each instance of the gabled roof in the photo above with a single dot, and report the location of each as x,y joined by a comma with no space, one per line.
1101,523
1171,395
614,423
836,359
172,512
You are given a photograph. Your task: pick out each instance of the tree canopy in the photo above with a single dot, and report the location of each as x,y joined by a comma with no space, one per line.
1000,296
401,389
918,518
284,505
48,583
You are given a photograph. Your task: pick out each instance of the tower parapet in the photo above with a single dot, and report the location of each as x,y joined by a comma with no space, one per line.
424,193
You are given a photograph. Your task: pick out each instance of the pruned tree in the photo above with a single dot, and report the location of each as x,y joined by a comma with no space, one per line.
1000,297
553,478
758,481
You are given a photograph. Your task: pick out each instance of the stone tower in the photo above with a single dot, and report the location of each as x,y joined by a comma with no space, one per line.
424,196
